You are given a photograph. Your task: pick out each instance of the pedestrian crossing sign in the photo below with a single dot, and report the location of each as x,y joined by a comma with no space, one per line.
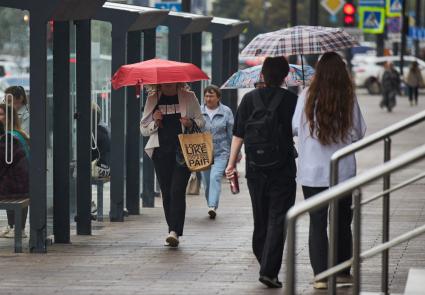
372,19
394,7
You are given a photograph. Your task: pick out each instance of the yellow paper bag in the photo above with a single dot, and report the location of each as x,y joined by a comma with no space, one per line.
197,150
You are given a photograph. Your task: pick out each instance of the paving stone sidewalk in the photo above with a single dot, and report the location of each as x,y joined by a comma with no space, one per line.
215,256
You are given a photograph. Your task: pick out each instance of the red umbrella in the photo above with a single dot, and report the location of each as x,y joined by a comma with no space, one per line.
156,71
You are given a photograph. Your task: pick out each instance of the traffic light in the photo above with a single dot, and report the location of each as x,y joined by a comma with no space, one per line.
349,11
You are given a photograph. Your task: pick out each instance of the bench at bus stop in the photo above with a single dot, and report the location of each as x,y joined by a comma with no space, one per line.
17,204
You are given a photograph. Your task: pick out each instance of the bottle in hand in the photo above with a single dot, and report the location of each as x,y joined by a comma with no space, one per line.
234,183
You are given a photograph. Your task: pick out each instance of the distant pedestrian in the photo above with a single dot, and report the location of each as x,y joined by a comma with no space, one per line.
327,118
219,121
263,125
390,86
170,109
414,81
19,100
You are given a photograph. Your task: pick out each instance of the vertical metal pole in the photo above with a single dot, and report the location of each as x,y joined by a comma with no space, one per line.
333,229
185,48
225,71
314,13
61,132
293,22
186,5
418,11
357,242
405,24
148,193
217,59
197,60
234,65
83,50
174,44
290,258
38,169
314,21
133,132
386,219
380,43
118,129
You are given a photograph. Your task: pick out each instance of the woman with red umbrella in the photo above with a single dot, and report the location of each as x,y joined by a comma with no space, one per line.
170,109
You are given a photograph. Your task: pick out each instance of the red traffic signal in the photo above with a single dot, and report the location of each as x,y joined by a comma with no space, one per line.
349,11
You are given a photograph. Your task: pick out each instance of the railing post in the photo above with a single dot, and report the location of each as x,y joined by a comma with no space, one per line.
386,219
357,195
333,229
290,257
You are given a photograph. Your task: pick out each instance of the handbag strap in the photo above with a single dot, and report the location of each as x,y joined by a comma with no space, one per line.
194,129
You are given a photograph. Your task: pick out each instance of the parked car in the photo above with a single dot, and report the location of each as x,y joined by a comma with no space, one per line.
21,80
8,68
369,69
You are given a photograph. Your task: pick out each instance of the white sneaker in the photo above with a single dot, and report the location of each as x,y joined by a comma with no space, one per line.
4,231
11,234
172,239
212,213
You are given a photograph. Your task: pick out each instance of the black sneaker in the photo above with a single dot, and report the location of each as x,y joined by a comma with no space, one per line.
270,282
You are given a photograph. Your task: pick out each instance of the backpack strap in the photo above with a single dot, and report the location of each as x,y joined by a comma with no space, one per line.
258,101
273,104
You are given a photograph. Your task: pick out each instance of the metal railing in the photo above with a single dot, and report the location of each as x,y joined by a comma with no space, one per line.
382,135
333,195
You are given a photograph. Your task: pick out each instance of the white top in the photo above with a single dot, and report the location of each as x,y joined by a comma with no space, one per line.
313,157
211,113
188,106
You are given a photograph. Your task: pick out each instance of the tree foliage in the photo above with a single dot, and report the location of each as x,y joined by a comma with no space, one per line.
274,16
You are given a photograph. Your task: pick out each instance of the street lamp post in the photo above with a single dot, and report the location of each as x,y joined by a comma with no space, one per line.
186,5
418,24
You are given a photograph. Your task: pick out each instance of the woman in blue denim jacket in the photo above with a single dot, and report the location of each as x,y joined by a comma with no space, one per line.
218,121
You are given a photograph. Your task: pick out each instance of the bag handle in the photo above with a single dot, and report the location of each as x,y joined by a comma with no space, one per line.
194,129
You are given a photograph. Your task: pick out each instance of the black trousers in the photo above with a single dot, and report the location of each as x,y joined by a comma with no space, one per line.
271,195
318,236
413,94
172,180
11,217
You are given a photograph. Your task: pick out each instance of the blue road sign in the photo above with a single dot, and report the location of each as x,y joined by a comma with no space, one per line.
372,3
394,7
173,6
417,33
372,19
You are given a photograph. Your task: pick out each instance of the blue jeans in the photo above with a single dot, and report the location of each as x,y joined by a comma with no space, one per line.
212,181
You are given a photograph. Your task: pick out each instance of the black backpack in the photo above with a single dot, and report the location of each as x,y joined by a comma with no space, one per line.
263,134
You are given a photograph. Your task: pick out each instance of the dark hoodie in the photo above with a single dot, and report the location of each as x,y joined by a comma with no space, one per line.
14,177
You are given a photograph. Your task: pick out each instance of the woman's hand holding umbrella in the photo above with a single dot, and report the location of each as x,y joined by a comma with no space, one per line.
157,116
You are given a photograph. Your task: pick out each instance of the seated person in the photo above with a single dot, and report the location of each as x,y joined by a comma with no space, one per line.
101,153
14,177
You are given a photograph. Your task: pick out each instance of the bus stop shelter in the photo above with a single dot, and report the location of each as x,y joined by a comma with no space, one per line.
40,13
129,24
225,53
185,39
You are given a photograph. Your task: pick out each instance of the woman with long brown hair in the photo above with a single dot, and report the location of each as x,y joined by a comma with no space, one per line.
327,118
13,176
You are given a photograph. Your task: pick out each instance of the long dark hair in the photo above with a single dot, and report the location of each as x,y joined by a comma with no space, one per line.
330,99
18,92
16,124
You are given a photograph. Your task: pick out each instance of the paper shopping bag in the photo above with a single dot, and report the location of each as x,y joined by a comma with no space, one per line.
197,149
